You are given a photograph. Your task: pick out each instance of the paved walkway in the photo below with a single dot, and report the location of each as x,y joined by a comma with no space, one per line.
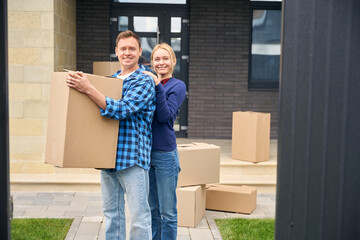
88,223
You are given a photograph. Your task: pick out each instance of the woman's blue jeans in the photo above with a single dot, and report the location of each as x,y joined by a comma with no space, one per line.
163,177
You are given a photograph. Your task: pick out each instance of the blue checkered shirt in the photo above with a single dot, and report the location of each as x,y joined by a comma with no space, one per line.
135,111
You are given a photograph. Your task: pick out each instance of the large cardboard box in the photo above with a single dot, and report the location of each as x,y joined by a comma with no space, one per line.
251,136
190,205
239,199
106,68
78,136
199,163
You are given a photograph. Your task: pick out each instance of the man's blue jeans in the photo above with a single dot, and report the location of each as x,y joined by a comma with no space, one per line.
134,183
163,175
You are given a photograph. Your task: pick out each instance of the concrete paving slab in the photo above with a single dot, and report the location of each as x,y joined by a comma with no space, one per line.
93,219
270,214
85,237
29,207
88,229
67,208
73,229
102,231
203,224
200,234
42,202
94,209
215,214
213,227
85,203
183,231
183,237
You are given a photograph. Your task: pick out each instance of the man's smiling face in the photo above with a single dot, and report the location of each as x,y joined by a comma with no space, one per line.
128,52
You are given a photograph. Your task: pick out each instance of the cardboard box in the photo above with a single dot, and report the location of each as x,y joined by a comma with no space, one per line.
251,136
199,163
106,68
239,199
78,136
190,205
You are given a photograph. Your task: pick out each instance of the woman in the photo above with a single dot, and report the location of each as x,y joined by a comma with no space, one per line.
164,166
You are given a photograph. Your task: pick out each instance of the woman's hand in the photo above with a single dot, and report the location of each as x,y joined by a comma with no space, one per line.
156,80
79,81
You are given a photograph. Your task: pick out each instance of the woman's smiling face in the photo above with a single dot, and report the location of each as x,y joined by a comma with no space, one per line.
162,63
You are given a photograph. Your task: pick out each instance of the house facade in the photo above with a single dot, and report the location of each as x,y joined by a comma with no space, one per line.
228,55
216,43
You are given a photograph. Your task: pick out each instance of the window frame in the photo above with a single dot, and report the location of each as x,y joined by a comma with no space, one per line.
261,5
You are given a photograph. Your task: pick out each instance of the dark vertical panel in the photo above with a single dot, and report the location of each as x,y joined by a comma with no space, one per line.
350,215
286,131
319,146
4,127
318,132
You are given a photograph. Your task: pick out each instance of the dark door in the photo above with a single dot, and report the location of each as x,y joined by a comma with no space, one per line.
156,23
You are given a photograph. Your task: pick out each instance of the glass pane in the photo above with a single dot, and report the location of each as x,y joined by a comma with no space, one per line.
177,124
265,68
176,44
176,24
153,1
123,23
147,45
145,24
266,26
265,47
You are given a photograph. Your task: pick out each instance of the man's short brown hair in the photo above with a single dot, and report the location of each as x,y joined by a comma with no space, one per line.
127,34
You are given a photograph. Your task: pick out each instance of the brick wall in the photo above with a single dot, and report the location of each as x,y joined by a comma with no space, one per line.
92,33
218,69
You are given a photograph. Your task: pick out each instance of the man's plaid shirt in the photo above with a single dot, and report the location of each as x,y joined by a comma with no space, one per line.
135,111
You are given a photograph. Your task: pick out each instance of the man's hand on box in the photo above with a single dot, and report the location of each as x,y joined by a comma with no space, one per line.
78,81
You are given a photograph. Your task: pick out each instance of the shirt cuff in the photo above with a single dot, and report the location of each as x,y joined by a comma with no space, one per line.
106,111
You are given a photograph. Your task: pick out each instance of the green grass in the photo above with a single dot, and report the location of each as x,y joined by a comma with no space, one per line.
40,228
247,229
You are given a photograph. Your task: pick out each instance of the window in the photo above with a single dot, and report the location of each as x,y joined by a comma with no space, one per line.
145,24
265,45
123,23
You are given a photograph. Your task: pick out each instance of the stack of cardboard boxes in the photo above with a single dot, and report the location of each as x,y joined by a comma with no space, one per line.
200,165
250,142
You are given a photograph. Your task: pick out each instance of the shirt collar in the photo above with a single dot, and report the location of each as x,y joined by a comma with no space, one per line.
133,74
164,81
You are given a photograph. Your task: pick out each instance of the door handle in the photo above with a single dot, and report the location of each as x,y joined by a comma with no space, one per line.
157,35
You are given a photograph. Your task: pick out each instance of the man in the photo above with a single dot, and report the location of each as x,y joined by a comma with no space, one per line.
135,112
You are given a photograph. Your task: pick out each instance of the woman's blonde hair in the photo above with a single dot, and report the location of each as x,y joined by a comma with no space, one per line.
171,52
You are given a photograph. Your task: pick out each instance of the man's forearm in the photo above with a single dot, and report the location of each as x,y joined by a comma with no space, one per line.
97,97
